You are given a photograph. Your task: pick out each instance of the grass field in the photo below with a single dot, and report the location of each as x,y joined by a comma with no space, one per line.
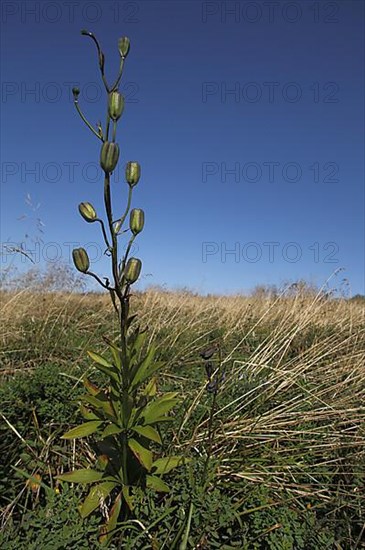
277,452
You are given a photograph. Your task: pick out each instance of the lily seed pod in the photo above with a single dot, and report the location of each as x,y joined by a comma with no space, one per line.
136,221
132,270
124,45
117,227
116,105
81,259
76,93
132,173
87,211
109,156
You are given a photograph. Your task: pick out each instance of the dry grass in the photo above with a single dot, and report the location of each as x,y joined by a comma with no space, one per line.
294,390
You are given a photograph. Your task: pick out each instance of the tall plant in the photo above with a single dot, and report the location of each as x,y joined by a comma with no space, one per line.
124,418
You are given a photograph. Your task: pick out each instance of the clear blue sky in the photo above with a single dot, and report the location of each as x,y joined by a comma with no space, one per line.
246,117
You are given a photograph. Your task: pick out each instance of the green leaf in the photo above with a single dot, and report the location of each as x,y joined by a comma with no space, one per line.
135,344
165,465
111,429
137,340
92,400
159,407
117,358
109,527
159,419
131,416
91,388
101,401
87,414
141,370
148,432
156,483
96,494
108,407
151,388
157,365
85,475
116,352
99,359
83,430
104,366
130,320
128,497
143,455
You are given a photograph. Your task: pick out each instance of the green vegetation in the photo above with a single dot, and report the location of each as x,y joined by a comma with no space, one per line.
286,444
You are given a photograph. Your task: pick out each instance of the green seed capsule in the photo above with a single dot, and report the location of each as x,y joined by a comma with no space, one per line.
87,211
132,270
124,45
109,156
132,173
81,259
116,105
136,221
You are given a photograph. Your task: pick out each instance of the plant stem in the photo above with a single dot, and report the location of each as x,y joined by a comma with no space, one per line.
106,240
76,103
99,55
107,124
116,83
122,219
114,131
123,299
127,252
114,248
99,280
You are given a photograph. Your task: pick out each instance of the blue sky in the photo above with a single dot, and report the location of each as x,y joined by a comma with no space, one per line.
246,117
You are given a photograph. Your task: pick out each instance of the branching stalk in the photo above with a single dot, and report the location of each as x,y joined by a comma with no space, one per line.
76,103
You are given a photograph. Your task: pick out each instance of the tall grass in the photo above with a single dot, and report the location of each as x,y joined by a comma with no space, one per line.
290,411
